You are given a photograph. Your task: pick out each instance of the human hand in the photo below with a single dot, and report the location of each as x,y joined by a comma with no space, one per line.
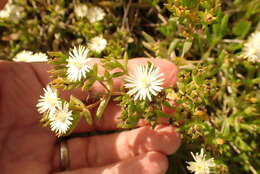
26,147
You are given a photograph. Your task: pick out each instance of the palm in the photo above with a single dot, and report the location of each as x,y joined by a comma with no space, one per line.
26,146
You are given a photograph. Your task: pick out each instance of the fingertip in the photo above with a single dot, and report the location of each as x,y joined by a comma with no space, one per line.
155,163
170,71
162,138
171,138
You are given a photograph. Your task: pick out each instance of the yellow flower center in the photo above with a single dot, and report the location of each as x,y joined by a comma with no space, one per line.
200,167
79,65
52,101
61,116
254,51
145,83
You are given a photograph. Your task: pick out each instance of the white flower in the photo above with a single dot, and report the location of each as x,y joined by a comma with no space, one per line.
144,82
61,120
11,11
201,165
251,49
77,67
95,14
97,44
6,11
81,10
49,102
39,57
28,56
23,56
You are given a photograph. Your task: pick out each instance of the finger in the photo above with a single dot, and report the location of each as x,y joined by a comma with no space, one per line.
148,163
107,149
169,69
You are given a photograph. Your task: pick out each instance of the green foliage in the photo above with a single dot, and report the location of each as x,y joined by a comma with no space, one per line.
221,109
134,111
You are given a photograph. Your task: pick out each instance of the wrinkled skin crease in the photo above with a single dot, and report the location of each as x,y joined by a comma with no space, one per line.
24,145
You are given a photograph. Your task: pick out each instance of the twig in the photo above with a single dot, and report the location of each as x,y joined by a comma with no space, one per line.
252,169
151,25
116,93
135,18
232,41
163,19
236,149
126,9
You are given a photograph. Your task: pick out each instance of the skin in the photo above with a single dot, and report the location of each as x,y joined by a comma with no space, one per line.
2,3
27,148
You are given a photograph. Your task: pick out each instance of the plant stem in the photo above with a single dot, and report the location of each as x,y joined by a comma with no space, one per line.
93,105
104,85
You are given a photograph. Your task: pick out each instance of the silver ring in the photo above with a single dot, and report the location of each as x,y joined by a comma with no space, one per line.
64,155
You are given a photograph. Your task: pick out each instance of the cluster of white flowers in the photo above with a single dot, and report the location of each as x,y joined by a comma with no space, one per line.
252,48
92,13
11,11
97,44
59,115
28,56
201,165
144,82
